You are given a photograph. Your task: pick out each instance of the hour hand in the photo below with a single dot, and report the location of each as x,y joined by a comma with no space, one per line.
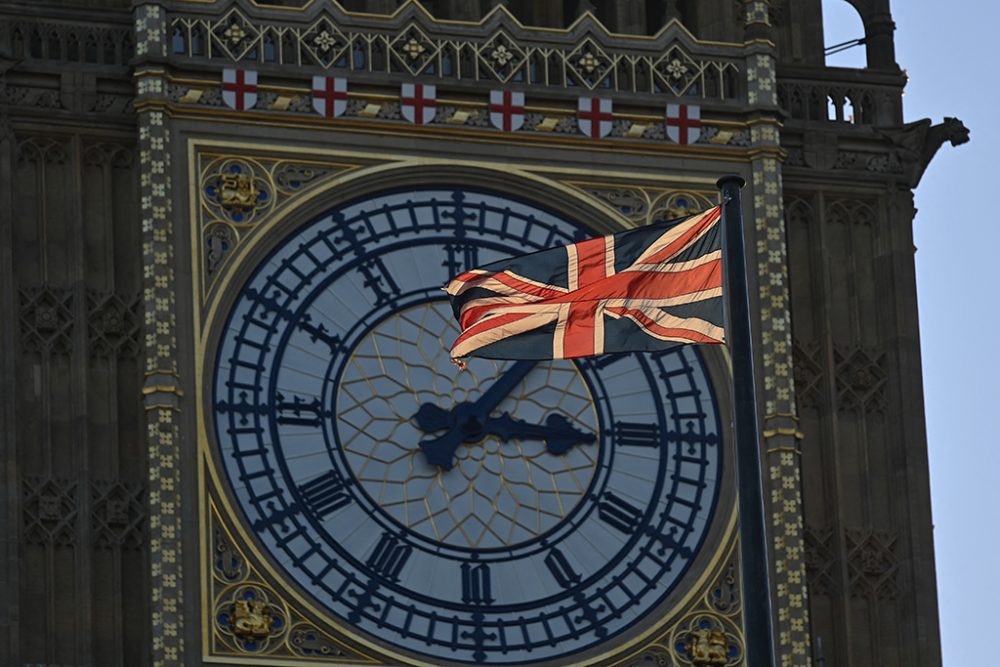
558,433
431,418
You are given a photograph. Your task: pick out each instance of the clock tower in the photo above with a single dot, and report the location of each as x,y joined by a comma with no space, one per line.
231,431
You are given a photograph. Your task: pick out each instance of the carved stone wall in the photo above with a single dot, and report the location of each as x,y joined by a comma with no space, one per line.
73,451
91,541
863,544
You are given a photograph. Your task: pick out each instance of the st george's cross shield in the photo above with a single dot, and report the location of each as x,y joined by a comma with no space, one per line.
507,110
594,116
419,102
683,123
329,96
239,88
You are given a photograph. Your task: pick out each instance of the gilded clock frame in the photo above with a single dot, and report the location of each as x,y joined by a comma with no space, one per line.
695,615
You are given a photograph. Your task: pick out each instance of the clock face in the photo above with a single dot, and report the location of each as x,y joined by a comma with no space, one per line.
513,512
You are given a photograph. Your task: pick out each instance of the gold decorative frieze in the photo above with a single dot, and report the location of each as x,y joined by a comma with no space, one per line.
411,42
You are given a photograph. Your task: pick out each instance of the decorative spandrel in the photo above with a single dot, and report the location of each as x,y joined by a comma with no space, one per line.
645,204
249,618
236,194
513,512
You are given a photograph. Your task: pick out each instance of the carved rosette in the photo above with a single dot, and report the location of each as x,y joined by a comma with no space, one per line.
413,43
633,203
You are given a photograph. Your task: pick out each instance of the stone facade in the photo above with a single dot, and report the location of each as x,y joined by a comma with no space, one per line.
112,122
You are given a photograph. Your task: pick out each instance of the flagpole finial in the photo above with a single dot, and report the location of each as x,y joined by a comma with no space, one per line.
730,179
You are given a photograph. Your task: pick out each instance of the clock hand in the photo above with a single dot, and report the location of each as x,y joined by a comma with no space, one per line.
558,433
492,397
465,421
462,425
431,418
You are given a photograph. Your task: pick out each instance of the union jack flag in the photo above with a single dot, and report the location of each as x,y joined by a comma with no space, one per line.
643,289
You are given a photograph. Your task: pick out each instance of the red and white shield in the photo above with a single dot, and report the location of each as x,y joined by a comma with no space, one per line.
239,88
683,123
329,96
507,110
419,102
594,116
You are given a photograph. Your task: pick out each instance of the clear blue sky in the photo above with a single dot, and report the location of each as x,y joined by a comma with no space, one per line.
945,48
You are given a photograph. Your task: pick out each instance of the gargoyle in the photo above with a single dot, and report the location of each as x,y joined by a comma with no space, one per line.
916,143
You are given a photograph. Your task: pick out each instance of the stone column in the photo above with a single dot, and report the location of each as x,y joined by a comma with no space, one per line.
879,41
10,507
161,388
781,437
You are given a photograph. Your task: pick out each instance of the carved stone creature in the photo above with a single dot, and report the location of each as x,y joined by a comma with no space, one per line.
239,193
707,647
251,619
916,143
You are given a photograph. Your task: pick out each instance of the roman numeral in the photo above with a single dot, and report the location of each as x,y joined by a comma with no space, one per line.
318,332
561,569
476,584
376,275
629,434
692,438
378,279
461,257
618,513
243,408
297,411
325,494
389,556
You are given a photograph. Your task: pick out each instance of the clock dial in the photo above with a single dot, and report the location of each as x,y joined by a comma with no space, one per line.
501,487
509,513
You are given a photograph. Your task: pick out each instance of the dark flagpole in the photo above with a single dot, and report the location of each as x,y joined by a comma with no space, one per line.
756,587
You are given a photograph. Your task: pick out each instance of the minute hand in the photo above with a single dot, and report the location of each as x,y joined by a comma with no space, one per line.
558,433
465,420
492,397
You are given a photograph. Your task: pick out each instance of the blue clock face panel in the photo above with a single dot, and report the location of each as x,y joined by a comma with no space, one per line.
513,512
